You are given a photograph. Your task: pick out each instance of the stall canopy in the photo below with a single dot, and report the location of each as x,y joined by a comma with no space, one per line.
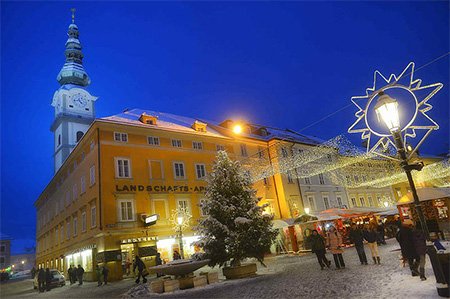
425,194
305,218
279,224
353,212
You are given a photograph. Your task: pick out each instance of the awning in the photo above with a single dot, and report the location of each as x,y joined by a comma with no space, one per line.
279,224
305,218
425,194
353,212
389,212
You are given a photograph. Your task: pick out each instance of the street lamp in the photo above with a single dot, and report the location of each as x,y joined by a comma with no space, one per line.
386,109
180,223
180,220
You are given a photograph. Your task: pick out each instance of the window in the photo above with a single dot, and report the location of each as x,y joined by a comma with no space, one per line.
75,228
263,133
83,188
370,201
178,170
339,200
121,137
150,122
326,202
82,156
200,171
399,193
379,201
83,222
353,199
56,237
79,135
300,151
289,177
75,191
156,169
321,179
312,206
59,139
183,204
62,234
3,248
153,140
266,181
61,206
126,210
356,177
48,241
67,198
92,175
197,145
308,181
48,216
284,152
68,230
91,145
176,143
362,200
243,150
364,178
93,216
203,212
56,208
220,147
123,169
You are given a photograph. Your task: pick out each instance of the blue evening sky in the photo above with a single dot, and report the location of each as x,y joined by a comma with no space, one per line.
283,64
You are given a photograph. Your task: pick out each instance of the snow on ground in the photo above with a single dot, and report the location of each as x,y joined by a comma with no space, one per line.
301,277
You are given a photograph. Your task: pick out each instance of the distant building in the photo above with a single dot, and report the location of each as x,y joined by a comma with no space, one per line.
23,257
5,250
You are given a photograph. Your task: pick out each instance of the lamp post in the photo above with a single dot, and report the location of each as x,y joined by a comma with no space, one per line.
180,227
386,109
180,220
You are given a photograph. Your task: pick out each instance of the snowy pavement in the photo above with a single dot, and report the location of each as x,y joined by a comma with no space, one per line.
301,277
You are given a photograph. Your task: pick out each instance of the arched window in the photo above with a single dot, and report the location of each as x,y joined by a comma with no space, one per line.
79,135
59,139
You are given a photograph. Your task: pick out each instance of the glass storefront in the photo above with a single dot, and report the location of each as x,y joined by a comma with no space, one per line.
83,258
166,247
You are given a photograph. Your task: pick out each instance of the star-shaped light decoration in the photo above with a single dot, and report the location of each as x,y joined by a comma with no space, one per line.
180,219
408,128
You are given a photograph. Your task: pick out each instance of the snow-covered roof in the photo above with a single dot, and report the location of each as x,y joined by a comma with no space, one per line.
166,121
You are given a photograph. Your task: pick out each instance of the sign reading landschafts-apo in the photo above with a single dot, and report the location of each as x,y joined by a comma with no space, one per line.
160,188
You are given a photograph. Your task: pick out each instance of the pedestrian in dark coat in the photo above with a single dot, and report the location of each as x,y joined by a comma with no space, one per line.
33,273
334,244
41,279
139,264
105,272
72,274
48,279
420,244
158,262
370,235
406,240
99,275
356,237
176,255
80,272
318,247
380,235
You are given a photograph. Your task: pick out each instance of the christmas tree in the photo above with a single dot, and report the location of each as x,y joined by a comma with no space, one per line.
236,227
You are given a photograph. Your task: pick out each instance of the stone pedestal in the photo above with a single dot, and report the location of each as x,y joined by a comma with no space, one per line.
211,277
157,286
186,282
171,285
200,281
240,271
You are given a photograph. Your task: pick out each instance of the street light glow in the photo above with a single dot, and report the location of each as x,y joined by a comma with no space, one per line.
307,210
386,204
386,107
180,220
237,129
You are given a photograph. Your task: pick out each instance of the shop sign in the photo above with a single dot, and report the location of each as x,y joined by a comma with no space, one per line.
151,220
110,225
137,240
81,249
161,188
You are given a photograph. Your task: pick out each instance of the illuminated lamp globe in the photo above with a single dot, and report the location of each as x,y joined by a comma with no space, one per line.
307,210
237,129
180,220
386,204
386,108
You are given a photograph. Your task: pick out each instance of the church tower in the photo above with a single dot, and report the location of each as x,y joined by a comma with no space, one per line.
74,104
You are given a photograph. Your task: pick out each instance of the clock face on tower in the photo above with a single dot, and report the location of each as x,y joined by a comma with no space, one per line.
79,100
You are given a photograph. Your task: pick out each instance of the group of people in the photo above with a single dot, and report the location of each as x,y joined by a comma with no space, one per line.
75,274
412,242
102,271
44,279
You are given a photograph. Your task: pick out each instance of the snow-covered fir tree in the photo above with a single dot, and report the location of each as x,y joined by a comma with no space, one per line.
236,227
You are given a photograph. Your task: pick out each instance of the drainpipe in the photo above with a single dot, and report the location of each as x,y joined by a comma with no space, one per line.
99,180
274,182
298,180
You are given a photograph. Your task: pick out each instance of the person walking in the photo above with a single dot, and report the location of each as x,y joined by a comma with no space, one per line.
33,273
334,244
158,262
356,237
128,266
70,273
176,255
317,242
98,270
41,279
80,272
406,240
139,264
380,234
420,244
48,279
370,235
105,272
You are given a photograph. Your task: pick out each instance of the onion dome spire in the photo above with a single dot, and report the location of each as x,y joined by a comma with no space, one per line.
73,71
